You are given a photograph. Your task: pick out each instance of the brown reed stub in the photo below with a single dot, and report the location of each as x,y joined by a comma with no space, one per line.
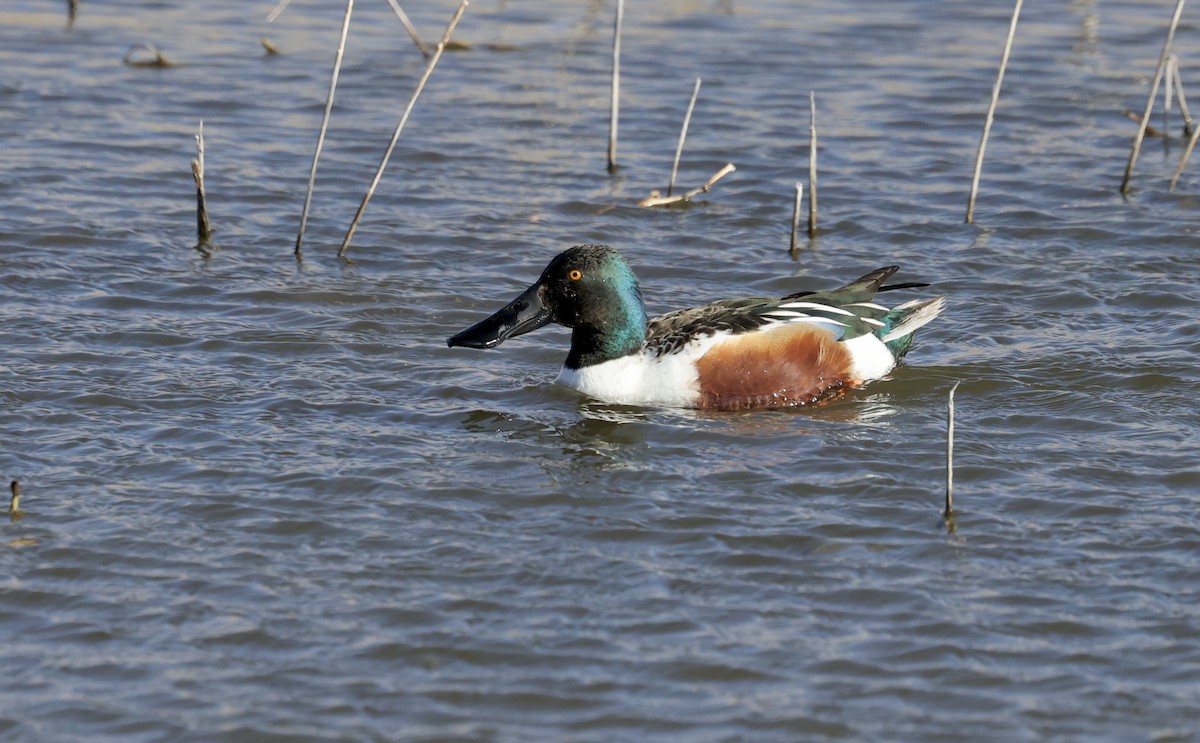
203,226
72,11
1150,131
949,510
156,60
268,46
14,504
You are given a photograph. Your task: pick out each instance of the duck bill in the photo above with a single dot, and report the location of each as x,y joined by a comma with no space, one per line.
522,315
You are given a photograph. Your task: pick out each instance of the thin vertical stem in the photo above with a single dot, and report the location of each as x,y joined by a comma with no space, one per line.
203,227
796,217
687,119
1183,107
1158,75
312,173
812,164
614,105
949,512
1168,89
991,113
437,54
412,31
1187,152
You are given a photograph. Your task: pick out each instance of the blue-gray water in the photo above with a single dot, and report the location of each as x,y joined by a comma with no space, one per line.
265,502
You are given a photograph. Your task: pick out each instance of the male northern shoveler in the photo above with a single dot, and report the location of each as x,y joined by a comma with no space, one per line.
732,354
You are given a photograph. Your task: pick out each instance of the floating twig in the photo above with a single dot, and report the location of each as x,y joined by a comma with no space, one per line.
812,163
796,218
203,227
614,105
14,505
158,61
949,512
687,119
1150,131
991,112
437,54
657,199
312,173
1158,74
412,32
270,48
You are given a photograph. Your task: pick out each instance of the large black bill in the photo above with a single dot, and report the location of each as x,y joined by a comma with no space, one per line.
523,314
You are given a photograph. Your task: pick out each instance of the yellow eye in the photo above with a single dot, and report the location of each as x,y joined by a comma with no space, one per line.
575,274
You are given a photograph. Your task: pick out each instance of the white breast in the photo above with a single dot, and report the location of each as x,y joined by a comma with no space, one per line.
670,380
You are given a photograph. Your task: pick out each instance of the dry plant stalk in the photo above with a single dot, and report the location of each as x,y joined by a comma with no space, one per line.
437,54
412,31
812,163
1158,75
312,173
158,61
949,511
614,103
657,199
687,119
1183,107
991,112
203,227
795,245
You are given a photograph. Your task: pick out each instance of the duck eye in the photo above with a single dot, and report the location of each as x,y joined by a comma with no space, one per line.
575,274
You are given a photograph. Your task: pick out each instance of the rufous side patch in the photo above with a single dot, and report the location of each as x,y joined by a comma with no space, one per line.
785,366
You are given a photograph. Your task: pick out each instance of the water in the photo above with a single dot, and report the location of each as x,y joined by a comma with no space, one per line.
265,502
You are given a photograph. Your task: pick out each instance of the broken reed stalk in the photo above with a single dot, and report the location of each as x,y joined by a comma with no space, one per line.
949,512
655,199
812,164
412,32
1168,89
687,119
1158,75
614,104
203,227
1183,107
437,54
14,505
72,11
312,173
991,112
796,218
1187,152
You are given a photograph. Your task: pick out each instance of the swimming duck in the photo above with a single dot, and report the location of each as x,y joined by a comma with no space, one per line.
733,354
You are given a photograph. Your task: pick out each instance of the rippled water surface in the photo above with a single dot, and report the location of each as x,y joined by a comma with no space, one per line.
263,501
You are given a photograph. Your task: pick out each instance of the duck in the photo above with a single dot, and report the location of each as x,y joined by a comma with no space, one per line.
731,354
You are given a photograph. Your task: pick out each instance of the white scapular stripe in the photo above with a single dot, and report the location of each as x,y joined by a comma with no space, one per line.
815,306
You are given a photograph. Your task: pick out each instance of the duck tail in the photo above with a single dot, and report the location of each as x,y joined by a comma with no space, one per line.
906,319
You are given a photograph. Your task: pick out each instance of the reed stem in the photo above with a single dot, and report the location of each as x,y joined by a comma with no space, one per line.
614,104
412,31
1158,75
1183,107
203,226
812,164
333,80
1187,152
991,112
14,505
949,512
795,245
687,119
437,54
